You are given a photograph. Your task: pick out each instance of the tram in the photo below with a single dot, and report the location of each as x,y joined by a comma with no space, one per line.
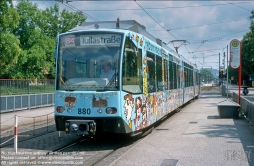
115,77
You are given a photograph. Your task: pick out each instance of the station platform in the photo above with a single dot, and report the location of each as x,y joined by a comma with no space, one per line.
196,136
26,117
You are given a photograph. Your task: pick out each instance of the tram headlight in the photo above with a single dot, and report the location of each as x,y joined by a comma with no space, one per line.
99,111
69,110
60,109
111,110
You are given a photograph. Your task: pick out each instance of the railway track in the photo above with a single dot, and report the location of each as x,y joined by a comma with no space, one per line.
25,132
50,149
95,151
103,150
82,151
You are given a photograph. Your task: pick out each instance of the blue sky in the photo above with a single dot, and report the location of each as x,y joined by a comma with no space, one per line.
208,26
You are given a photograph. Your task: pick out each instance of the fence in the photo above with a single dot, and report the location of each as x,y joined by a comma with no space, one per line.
20,102
25,94
28,127
26,86
247,106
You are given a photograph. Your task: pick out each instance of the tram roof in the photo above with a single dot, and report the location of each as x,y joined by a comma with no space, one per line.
131,25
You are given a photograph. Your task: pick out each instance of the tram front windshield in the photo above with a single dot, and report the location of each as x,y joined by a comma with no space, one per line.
88,61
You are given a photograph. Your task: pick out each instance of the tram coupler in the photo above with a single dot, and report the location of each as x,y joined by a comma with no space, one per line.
80,127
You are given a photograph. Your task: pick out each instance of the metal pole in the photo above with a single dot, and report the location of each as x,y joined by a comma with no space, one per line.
34,126
240,72
227,71
219,69
29,96
47,123
44,85
16,133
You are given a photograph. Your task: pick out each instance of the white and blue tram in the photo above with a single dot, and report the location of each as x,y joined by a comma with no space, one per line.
147,79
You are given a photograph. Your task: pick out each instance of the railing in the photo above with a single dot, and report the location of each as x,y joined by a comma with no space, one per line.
26,86
28,127
247,106
25,94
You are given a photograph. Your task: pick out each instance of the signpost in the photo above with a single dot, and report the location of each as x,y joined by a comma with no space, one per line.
236,61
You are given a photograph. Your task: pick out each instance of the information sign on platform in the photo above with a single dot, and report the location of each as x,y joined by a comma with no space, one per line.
235,51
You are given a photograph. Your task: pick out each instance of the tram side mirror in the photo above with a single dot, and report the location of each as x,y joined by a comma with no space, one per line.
55,53
129,35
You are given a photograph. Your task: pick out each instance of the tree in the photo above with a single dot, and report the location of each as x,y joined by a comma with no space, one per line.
9,43
37,60
37,31
248,51
206,75
53,21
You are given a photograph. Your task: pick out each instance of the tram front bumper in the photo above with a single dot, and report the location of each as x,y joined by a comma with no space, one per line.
80,127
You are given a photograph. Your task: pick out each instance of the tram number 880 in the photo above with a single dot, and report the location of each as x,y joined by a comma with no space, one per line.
84,111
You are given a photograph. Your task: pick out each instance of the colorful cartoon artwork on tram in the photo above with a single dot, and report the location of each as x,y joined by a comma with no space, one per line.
149,108
137,120
144,116
145,80
173,100
188,93
128,105
137,37
159,105
141,41
154,105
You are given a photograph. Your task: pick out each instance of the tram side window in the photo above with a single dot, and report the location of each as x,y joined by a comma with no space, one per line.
178,75
159,84
185,76
151,72
171,75
191,77
194,78
188,75
132,68
166,79
175,75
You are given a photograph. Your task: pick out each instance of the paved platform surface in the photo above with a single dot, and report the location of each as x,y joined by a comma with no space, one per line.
196,136
26,116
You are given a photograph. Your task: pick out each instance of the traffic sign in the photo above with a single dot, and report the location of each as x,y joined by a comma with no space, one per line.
235,51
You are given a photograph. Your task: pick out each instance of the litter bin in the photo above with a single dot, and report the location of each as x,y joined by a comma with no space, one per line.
228,109
223,90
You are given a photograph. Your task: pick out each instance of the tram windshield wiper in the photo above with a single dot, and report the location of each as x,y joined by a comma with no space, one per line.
65,86
111,80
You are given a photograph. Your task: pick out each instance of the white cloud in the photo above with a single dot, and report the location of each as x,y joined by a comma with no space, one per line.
209,38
